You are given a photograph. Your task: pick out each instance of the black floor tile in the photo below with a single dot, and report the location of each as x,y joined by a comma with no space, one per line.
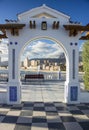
78,112
70,105
68,119
84,125
38,103
56,126
10,119
87,104
39,119
16,108
48,104
51,109
6,106
28,104
38,109
61,108
23,126
83,107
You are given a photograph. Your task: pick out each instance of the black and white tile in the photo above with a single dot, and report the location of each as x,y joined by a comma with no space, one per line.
44,116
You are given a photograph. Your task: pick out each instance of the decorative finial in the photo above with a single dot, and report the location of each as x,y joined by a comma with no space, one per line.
44,5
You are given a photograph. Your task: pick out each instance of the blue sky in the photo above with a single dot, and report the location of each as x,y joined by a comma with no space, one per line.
76,9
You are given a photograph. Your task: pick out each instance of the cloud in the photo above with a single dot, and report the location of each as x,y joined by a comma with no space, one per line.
42,49
36,49
5,41
3,50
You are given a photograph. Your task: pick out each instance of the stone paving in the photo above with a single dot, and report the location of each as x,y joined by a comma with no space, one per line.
43,92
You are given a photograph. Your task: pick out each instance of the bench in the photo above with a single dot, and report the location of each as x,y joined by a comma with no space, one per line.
34,76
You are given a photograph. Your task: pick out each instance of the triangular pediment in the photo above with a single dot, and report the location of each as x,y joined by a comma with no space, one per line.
43,15
43,11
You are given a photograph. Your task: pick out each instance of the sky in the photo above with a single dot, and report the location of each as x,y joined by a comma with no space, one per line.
40,48
78,10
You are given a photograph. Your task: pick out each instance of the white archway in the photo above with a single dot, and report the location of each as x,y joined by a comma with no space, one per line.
71,78
43,22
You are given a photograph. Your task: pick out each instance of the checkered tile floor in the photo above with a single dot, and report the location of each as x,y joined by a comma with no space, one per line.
44,116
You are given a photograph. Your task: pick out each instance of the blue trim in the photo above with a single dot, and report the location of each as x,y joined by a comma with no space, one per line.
76,44
11,43
13,93
13,63
16,43
73,63
71,43
74,93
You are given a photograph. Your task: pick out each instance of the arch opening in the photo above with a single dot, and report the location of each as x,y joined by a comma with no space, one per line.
47,57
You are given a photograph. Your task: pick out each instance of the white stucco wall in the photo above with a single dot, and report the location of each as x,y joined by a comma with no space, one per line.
61,36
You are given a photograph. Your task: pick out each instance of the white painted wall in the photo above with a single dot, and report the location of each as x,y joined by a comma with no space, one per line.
3,96
61,36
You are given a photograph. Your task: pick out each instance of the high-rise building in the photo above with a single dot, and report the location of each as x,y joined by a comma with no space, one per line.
26,62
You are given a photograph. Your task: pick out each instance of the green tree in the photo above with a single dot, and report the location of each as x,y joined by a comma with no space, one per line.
85,56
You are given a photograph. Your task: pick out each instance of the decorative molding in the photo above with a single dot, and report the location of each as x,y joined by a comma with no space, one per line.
13,93
11,43
75,28
13,27
73,55
43,9
44,25
71,43
32,24
3,35
74,93
55,25
13,63
76,44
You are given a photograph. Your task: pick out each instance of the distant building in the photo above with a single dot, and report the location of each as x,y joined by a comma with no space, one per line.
34,62
22,63
43,66
26,63
45,63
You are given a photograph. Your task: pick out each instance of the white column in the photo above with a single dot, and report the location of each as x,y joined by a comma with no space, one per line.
72,89
14,90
